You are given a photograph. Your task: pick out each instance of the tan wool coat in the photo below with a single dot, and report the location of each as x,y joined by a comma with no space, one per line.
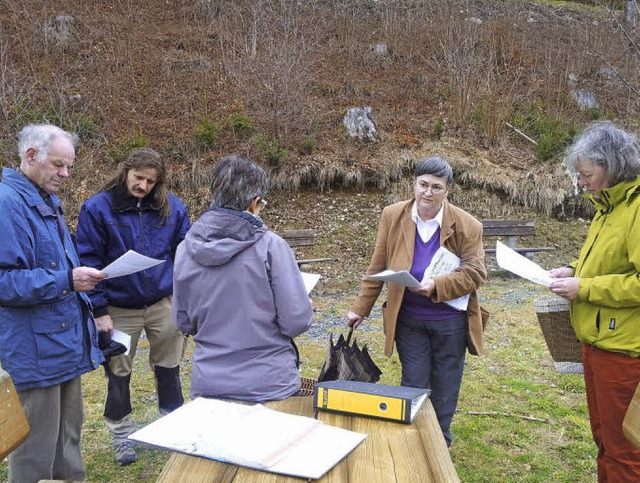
461,234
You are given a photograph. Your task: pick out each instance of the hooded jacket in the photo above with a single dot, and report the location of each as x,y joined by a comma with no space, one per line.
606,313
114,222
47,335
239,292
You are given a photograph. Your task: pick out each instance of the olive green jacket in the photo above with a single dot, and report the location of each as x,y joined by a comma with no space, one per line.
606,313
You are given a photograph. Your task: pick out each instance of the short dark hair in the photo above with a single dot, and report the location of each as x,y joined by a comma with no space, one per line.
236,181
435,166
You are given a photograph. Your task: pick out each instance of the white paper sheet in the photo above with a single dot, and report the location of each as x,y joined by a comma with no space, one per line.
512,261
402,277
122,338
445,262
252,436
310,280
130,262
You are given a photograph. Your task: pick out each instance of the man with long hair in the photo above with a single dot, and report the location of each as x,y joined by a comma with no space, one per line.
135,211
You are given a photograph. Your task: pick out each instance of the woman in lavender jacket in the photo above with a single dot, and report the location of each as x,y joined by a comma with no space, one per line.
239,293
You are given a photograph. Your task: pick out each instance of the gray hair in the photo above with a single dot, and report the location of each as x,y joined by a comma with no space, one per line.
236,181
40,137
435,166
606,145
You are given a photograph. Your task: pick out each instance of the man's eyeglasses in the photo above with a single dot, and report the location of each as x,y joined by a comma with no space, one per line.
436,189
262,203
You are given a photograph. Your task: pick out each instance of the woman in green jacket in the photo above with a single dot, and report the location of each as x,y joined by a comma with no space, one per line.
603,285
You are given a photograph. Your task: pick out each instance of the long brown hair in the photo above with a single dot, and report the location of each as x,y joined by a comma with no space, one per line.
144,158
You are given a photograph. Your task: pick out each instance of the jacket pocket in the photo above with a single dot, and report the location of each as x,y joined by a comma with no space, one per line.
58,331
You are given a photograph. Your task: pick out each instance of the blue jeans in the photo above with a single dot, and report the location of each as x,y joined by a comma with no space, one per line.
432,355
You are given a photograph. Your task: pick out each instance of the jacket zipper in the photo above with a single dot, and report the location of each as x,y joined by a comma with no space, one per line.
144,273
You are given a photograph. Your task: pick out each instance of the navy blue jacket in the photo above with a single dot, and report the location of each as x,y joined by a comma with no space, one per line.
47,335
114,222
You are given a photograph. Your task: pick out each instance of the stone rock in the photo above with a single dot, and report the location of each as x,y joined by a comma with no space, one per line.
585,99
607,72
359,124
62,32
380,49
475,20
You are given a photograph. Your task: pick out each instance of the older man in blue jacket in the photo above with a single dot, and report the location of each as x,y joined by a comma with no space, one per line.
47,336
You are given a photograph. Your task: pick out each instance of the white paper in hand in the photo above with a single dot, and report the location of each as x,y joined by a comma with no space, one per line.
130,262
445,262
402,277
310,280
122,338
512,261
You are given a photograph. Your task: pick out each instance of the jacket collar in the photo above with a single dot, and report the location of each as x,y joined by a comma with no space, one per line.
245,215
30,192
122,201
615,195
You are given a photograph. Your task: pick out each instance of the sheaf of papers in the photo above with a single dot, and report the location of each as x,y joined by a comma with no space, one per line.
443,263
512,261
310,280
252,436
402,277
130,262
122,338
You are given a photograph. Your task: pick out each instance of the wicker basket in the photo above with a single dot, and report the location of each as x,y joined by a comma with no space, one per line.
631,423
554,320
308,386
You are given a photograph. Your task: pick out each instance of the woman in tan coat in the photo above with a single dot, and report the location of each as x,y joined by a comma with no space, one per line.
430,334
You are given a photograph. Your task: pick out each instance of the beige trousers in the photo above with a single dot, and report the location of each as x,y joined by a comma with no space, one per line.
166,342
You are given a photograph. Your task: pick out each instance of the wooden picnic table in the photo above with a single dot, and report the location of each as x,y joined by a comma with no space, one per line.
392,452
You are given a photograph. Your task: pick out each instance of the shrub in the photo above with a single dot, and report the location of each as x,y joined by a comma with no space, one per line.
207,133
271,150
551,134
438,128
120,150
241,126
309,145
85,127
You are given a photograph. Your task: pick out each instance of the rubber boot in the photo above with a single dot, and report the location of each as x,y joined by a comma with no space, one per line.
117,416
169,389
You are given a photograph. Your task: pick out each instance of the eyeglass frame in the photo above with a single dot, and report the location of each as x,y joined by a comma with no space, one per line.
436,190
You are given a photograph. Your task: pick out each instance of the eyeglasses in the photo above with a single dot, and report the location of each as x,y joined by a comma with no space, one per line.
262,203
436,189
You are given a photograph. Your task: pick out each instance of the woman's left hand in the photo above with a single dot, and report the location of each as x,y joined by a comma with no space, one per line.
426,288
566,287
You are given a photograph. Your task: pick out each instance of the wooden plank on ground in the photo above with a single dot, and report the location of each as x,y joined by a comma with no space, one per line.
299,238
508,228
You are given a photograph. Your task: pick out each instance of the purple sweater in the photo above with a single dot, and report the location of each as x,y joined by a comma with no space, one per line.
418,305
